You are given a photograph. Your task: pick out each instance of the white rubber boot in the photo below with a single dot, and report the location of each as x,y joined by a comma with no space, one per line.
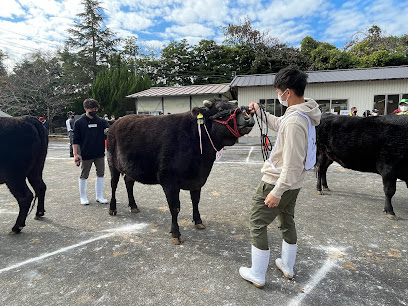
287,262
99,191
256,274
82,191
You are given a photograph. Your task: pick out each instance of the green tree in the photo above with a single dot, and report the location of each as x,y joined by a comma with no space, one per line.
257,52
322,56
35,87
90,43
372,48
212,63
113,84
176,64
3,57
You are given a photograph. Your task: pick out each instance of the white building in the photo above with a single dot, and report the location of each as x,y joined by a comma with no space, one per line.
177,99
334,90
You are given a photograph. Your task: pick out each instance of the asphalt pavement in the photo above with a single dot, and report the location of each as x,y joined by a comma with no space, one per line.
349,253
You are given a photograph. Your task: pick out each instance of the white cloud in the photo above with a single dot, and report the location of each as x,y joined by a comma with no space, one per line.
10,8
191,30
280,10
193,11
355,16
129,21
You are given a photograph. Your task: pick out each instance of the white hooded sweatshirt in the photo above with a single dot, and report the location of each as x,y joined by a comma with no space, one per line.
285,168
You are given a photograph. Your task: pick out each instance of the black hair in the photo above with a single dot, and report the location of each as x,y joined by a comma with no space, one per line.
90,103
291,78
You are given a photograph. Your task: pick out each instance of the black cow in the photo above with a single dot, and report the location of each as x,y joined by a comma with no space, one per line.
166,150
23,148
372,144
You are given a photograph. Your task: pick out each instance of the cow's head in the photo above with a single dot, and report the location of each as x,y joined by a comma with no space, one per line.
229,121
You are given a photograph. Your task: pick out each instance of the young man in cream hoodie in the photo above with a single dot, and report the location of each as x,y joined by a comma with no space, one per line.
294,152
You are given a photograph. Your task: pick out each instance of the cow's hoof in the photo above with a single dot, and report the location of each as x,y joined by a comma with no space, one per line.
113,212
392,217
177,241
38,216
16,231
319,192
200,226
134,210
326,189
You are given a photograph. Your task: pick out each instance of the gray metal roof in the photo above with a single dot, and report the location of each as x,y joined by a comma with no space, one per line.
328,76
182,90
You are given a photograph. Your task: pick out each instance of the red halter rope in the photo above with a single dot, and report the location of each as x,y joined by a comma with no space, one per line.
232,117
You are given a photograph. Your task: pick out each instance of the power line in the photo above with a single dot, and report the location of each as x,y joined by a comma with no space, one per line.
15,45
38,39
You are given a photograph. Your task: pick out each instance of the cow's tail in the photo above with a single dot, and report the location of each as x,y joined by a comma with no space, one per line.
43,134
42,153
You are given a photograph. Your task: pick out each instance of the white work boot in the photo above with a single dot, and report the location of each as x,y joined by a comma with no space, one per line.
99,191
256,274
286,263
82,191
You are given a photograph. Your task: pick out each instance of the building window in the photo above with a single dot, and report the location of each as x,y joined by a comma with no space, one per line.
324,106
339,105
273,106
332,105
391,105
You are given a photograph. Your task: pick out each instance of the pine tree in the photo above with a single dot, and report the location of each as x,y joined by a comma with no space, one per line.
90,43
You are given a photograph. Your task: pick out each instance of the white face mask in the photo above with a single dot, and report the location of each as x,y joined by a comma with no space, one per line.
403,108
284,103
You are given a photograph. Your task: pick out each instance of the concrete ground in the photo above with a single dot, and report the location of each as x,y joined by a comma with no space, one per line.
349,252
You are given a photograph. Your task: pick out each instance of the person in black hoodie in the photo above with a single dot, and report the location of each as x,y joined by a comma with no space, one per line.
89,135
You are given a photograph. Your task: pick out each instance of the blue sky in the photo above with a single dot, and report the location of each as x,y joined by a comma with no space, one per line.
29,25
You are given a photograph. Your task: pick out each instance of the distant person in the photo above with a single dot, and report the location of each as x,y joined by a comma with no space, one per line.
367,113
402,110
112,118
353,111
375,112
89,135
402,107
45,123
106,117
70,130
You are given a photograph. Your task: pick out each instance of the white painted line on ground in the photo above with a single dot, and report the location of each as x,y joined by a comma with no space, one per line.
249,154
238,162
334,255
134,228
4,211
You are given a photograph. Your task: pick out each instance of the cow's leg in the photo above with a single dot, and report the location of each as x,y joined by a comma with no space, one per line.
39,188
323,162
195,199
390,186
24,197
173,200
129,188
327,163
115,174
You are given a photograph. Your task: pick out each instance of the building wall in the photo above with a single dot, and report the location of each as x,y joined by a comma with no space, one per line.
174,105
359,94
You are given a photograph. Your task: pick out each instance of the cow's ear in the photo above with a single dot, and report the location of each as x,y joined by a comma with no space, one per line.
199,110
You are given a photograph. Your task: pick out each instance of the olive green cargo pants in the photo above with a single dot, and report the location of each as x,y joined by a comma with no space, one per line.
262,216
